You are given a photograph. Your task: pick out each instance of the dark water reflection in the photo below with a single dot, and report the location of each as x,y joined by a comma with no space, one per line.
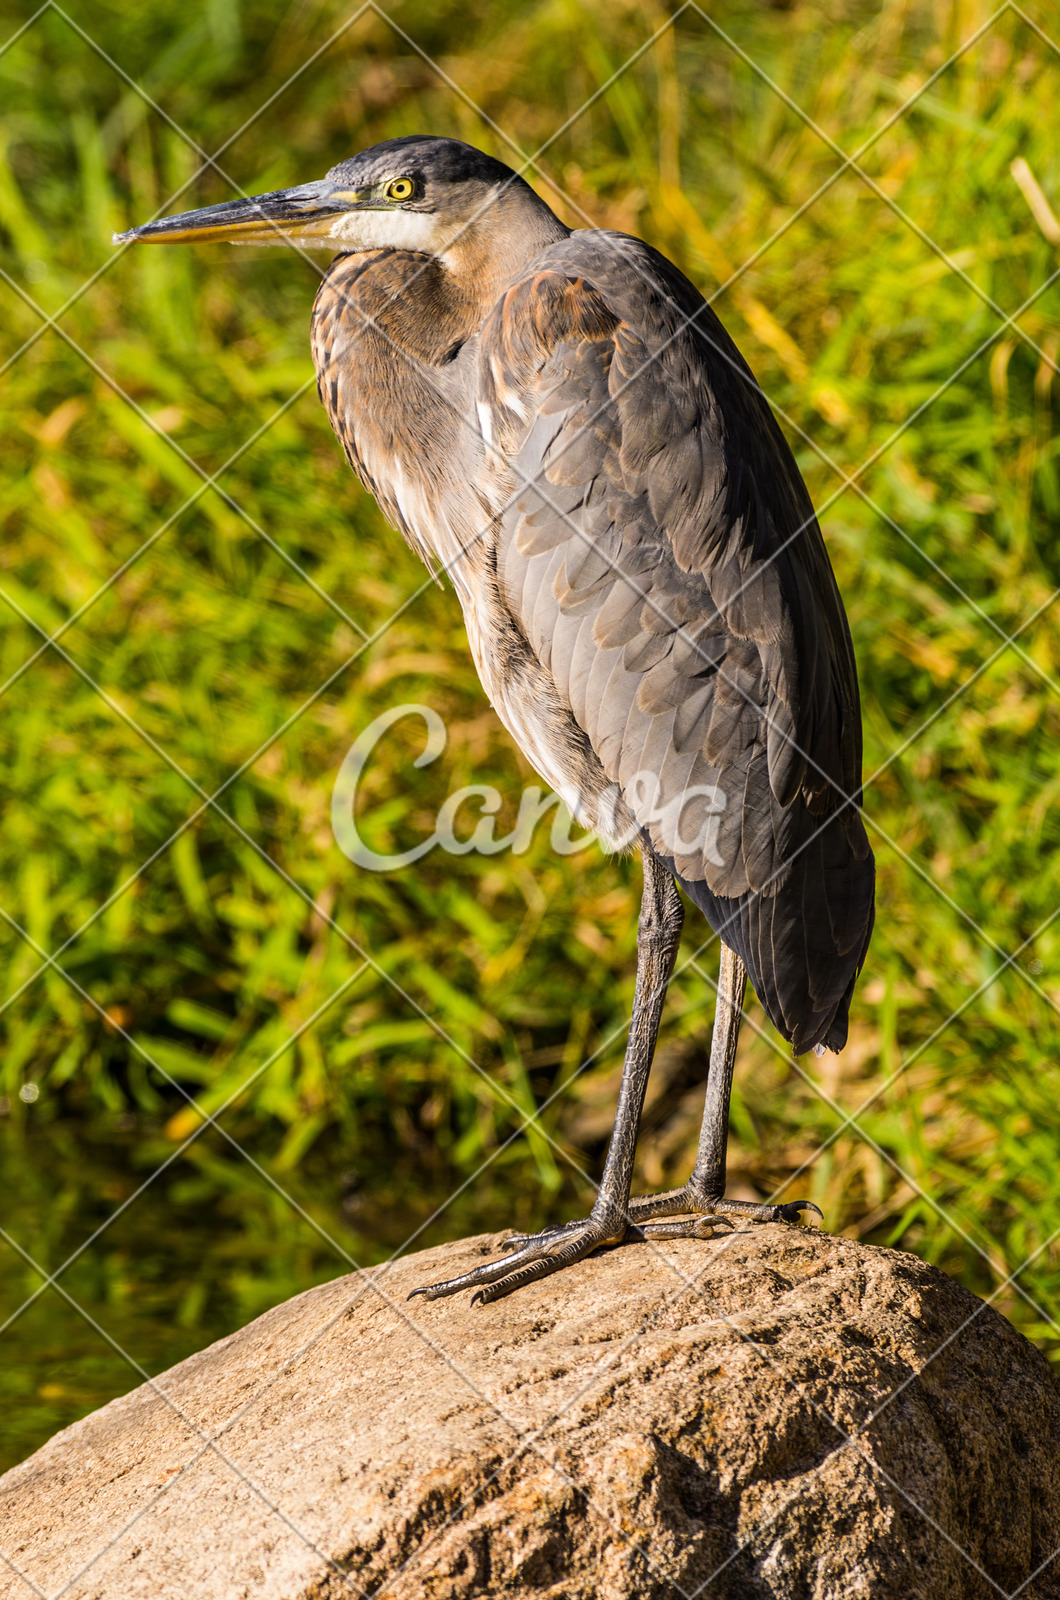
205,1247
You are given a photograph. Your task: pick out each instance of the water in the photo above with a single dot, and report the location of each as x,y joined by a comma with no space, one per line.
206,1246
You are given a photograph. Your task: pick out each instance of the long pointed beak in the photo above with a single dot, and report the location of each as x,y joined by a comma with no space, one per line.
304,214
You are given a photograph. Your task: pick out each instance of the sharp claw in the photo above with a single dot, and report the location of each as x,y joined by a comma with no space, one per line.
792,1211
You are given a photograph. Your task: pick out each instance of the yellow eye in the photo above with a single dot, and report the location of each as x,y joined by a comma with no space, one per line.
400,189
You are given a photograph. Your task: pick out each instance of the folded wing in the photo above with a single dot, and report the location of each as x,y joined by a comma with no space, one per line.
658,550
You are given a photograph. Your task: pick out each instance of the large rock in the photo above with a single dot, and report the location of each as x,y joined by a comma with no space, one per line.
773,1413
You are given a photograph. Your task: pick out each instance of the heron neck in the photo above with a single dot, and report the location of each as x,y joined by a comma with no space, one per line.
430,305
483,262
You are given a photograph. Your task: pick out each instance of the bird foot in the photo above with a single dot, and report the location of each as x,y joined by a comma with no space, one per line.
530,1257
705,1211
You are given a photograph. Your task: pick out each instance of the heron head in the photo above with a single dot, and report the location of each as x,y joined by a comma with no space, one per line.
416,193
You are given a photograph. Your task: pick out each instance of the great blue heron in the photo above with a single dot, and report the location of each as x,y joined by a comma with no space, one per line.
559,421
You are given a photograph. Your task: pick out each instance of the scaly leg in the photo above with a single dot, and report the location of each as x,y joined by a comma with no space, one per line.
704,1193
702,1200
658,934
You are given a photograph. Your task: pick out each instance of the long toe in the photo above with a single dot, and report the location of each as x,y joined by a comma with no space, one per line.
519,1241
479,1275
692,1201
542,1255
674,1203
685,1228
549,1258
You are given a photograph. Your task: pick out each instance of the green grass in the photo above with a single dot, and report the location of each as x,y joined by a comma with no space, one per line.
492,981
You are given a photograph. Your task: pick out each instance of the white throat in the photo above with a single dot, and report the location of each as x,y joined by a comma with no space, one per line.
389,230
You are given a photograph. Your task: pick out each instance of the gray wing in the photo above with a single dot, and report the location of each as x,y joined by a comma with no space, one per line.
667,570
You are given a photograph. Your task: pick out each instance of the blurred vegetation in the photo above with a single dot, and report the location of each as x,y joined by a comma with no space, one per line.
373,1044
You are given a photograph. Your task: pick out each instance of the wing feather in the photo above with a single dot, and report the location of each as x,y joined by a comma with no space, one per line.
666,565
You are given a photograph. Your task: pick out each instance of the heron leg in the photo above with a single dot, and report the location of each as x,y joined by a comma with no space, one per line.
658,935
704,1193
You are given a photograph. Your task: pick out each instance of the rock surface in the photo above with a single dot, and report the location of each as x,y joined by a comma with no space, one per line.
774,1413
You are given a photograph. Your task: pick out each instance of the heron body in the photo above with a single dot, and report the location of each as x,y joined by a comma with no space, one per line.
558,422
